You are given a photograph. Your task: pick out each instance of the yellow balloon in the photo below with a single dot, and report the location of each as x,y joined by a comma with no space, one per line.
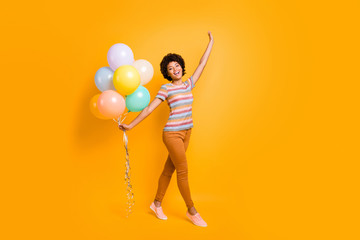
94,109
126,79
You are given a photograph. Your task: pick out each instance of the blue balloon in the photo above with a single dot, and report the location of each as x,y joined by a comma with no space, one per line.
138,100
104,79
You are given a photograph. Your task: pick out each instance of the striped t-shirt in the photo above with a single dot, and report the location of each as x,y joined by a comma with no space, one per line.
179,98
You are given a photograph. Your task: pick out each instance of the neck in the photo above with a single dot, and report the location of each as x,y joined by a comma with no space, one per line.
177,82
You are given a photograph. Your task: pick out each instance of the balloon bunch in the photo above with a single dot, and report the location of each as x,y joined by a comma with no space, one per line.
124,77
122,87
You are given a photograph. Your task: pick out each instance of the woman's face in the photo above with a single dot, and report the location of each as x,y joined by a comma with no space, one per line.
174,70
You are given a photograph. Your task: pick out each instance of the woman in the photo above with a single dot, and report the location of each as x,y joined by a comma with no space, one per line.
177,131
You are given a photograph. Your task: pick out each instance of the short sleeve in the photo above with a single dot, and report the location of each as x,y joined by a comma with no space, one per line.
191,82
162,93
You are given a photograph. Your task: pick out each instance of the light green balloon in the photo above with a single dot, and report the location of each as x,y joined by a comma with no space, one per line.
138,100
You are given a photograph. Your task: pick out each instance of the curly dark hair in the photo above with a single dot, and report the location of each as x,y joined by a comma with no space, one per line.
171,57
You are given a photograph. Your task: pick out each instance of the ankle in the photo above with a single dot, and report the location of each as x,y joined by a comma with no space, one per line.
192,211
157,203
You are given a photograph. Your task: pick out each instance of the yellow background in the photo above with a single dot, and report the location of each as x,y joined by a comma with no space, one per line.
275,147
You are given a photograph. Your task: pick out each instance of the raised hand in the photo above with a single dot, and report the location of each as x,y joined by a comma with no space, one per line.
210,36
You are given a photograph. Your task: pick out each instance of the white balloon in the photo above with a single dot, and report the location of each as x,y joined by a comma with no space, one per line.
120,54
145,70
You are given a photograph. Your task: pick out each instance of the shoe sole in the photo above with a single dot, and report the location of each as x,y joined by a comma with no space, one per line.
157,215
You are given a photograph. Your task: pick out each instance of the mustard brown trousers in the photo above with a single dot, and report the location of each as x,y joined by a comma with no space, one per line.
176,143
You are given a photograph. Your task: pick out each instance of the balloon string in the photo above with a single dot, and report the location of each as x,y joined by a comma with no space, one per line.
129,194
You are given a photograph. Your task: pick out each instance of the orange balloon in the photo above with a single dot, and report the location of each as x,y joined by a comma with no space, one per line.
94,109
111,104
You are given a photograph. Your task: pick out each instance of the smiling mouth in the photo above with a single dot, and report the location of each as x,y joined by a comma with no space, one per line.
177,73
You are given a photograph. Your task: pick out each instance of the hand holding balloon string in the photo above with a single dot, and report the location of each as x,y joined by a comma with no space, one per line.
121,125
124,127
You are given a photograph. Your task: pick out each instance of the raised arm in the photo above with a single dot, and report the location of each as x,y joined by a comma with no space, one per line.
144,113
204,59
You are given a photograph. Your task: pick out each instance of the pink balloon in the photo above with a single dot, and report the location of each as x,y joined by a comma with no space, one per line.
111,104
